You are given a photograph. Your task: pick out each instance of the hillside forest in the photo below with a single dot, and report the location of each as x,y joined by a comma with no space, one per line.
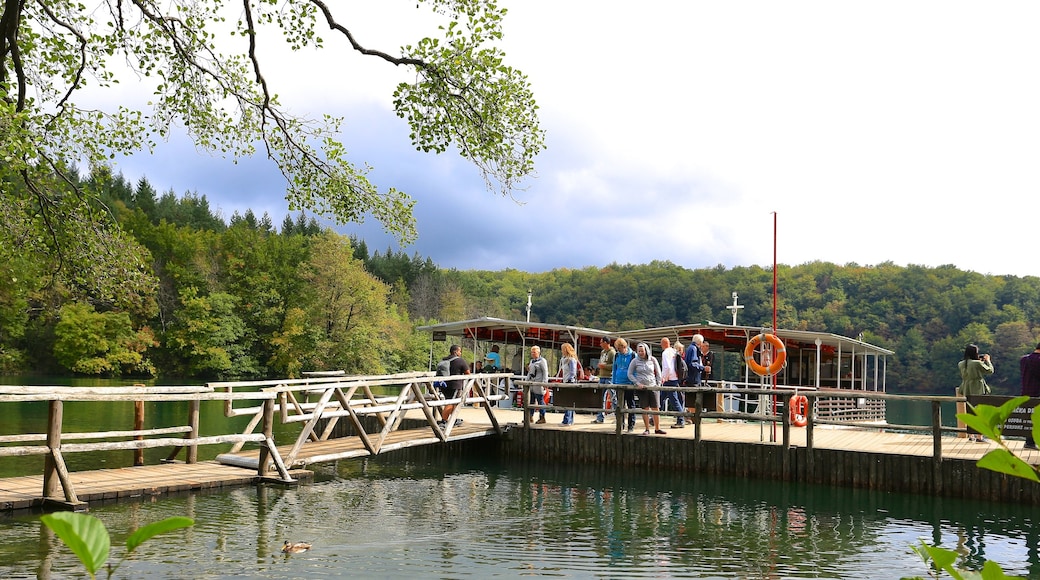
247,298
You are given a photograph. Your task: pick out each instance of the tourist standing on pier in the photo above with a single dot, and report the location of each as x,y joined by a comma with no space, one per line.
645,373
569,374
670,400
494,360
707,358
974,369
694,365
604,371
622,360
1030,367
453,389
537,372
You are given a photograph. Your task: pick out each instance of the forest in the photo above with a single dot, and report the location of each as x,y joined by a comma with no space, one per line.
245,298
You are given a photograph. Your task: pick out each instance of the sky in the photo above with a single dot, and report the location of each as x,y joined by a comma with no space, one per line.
881,131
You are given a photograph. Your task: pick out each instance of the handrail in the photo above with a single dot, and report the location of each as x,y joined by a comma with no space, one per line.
331,398
783,394
55,447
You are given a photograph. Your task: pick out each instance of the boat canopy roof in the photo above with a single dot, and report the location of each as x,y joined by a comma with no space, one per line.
735,337
519,332
729,337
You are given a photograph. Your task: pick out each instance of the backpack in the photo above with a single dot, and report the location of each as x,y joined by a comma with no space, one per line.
681,370
444,366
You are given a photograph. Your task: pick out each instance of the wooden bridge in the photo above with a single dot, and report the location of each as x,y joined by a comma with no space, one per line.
371,423
318,404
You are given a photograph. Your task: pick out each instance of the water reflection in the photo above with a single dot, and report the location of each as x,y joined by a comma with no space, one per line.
474,518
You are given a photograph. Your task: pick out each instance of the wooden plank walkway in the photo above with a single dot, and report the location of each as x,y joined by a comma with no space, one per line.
20,493
97,486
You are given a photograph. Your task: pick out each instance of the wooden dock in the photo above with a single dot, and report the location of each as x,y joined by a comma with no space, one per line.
231,470
21,493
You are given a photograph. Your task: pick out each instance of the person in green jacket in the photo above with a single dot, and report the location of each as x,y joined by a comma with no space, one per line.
974,369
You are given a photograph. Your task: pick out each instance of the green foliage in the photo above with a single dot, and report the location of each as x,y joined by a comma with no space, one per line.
989,421
943,560
207,336
204,74
93,343
89,540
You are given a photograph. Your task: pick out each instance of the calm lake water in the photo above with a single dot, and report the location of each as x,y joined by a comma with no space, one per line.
477,517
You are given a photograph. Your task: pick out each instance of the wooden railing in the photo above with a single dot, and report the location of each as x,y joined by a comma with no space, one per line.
766,410
56,443
318,403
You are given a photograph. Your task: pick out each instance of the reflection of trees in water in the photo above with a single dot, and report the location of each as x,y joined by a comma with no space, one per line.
565,514
695,517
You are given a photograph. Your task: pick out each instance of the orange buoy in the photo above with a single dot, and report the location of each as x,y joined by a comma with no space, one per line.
799,411
779,355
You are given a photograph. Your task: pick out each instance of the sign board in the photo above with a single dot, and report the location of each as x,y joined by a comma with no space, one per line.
440,336
1020,423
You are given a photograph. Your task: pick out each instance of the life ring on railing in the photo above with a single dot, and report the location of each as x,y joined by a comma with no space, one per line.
799,411
779,355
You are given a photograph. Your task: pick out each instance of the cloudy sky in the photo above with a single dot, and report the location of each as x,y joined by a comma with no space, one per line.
876,131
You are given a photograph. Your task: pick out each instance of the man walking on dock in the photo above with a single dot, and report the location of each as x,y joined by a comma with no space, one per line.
604,371
670,400
453,389
1030,368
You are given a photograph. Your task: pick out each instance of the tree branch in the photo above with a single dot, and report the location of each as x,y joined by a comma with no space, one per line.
357,46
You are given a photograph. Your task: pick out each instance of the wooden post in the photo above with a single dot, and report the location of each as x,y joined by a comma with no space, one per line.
962,407
699,399
268,427
937,446
193,422
50,466
138,426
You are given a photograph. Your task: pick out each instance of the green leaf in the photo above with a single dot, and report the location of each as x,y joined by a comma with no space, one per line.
85,535
941,557
155,528
980,420
1003,461
1036,423
992,571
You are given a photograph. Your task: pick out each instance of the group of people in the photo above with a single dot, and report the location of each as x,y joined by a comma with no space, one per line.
976,366
640,376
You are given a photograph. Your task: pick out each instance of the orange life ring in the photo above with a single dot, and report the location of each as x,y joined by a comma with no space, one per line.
779,355
799,411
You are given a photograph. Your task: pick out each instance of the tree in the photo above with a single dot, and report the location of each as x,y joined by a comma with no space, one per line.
199,60
101,343
346,304
207,337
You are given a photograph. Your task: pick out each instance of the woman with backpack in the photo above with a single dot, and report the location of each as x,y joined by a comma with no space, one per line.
537,372
569,374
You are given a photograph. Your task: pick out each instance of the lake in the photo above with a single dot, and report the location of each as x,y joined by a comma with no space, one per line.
479,517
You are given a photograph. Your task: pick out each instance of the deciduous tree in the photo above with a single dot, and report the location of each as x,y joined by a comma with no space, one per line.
199,64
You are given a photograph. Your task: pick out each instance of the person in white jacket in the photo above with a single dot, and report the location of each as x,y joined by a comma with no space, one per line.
645,374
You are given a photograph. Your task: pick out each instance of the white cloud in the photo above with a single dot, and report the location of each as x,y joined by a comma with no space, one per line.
880,131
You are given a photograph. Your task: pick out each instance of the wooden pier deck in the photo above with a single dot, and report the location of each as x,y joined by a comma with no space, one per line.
21,493
102,485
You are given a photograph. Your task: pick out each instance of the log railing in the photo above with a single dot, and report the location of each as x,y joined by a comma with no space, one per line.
765,412
55,444
319,402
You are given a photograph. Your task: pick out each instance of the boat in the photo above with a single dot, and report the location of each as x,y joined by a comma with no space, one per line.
814,360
